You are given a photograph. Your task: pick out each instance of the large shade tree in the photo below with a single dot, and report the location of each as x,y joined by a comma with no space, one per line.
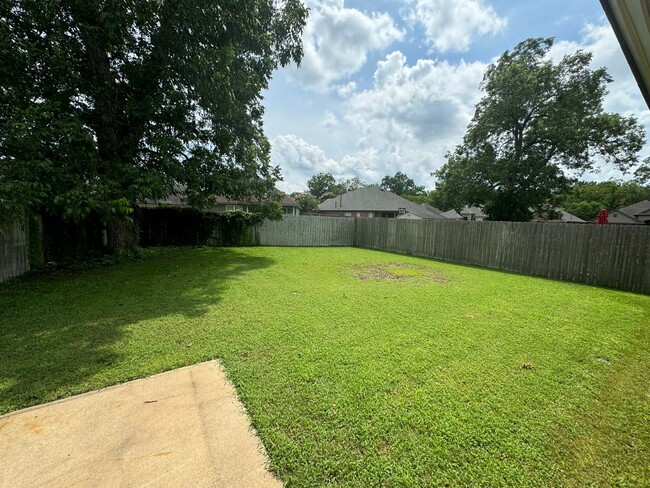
539,125
401,184
324,185
107,102
308,202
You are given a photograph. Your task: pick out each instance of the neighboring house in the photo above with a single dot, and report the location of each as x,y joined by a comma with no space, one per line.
466,213
432,209
477,214
372,201
564,217
289,205
639,213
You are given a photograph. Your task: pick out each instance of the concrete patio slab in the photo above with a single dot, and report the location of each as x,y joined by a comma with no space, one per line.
181,428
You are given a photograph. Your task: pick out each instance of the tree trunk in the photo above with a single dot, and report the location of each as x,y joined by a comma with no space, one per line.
121,235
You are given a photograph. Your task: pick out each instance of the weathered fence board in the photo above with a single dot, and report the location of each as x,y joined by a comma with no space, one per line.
307,231
14,250
613,255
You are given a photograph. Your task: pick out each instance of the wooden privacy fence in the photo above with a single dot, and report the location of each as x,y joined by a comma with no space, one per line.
607,255
307,231
14,249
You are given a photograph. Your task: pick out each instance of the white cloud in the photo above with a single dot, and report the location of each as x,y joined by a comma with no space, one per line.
407,121
330,121
291,151
452,25
346,90
410,117
299,161
337,41
430,102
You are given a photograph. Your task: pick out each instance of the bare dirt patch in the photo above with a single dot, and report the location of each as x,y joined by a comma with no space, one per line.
396,272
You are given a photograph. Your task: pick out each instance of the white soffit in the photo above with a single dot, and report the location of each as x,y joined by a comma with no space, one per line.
631,22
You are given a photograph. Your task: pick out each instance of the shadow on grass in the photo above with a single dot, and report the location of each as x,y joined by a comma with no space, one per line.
59,334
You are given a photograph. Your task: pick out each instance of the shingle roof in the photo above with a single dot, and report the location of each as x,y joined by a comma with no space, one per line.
636,209
451,214
178,200
567,217
374,199
287,201
432,209
475,211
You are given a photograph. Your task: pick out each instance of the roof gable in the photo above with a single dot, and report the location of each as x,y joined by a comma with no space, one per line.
637,208
374,199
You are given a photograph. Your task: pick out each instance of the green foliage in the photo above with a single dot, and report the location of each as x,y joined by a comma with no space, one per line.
308,202
538,121
360,382
325,185
350,184
36,251
585,199
191,227
268,209
642,173
104,104
401,185
235,228
435,198
321,183
418,199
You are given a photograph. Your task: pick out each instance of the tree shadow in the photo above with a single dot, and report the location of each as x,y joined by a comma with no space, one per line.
59,334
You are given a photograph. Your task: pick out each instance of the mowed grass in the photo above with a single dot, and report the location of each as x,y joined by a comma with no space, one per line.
361,368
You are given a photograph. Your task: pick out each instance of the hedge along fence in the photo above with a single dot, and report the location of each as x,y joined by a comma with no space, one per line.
609,255
173,226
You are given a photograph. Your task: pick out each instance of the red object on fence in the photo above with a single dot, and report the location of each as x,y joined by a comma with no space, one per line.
602,217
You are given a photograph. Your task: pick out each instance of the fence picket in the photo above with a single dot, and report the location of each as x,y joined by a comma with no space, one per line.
616,256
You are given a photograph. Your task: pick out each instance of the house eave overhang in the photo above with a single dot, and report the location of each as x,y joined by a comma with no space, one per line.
630,20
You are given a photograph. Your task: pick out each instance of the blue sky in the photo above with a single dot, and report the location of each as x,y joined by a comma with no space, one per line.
389,85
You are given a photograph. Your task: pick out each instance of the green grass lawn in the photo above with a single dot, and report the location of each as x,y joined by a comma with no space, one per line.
361,368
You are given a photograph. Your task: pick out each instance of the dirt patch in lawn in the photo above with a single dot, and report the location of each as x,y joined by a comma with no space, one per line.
396,272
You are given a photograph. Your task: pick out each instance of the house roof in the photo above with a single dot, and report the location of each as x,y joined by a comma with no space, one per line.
567,217
564,216
634,212
178,200
631,23
621,215
476,211
432,209
287,201
453,214
374,199
638,208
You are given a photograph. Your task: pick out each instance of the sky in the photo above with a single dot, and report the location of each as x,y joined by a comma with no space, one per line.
390,85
